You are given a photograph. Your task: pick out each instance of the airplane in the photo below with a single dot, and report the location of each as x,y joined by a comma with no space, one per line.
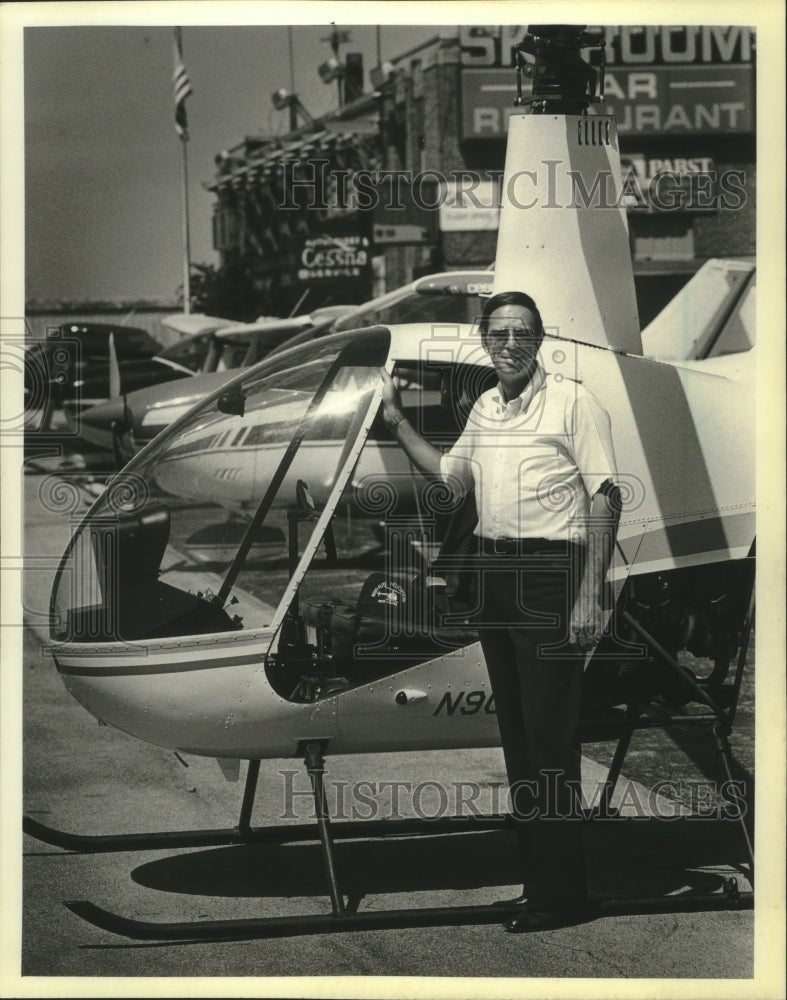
69,351
126,424
84,364
78,363
215,348
352,647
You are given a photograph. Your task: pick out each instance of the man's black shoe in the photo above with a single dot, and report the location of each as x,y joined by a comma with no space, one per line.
547,920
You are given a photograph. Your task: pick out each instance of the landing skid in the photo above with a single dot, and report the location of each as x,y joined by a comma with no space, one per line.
343,915
443,916
227,836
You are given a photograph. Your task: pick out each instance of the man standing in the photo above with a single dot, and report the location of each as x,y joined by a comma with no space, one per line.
538,452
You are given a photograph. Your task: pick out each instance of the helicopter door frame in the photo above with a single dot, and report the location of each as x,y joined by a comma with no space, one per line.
347,463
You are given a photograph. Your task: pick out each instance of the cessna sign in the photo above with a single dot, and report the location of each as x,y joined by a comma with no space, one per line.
328,258
697,81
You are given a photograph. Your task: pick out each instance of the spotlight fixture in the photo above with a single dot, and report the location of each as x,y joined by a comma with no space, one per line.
330,70
349,75
282,99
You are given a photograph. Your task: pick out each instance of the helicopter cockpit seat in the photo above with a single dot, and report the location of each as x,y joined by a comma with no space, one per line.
130,601
397,618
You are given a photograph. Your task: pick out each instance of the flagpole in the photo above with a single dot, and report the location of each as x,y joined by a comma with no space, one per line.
186,240
182,90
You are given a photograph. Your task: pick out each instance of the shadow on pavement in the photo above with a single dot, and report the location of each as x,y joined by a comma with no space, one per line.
626,858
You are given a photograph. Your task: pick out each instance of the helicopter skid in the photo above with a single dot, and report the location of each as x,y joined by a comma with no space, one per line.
442,916
291,833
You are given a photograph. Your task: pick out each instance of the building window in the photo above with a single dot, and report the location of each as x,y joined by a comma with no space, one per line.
226,229
661,237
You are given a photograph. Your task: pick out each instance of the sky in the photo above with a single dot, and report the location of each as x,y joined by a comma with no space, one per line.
103,189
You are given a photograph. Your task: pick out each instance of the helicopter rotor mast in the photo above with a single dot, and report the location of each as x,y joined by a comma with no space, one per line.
563,82
563,235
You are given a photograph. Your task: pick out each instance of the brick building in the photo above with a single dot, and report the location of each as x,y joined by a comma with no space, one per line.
403,180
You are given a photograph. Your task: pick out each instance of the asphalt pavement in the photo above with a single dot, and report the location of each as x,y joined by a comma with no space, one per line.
86,778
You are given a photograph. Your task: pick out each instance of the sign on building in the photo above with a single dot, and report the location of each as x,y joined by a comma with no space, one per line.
331,258
681,100
402,234
673,100
688,183
470,208
626,44
660,80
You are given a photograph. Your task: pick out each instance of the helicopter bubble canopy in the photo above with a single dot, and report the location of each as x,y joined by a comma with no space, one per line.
162,553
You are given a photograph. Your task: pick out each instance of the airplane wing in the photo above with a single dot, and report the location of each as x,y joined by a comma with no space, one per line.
323,313
266,330
188,324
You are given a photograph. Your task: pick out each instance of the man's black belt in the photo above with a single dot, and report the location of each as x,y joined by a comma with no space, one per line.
520,546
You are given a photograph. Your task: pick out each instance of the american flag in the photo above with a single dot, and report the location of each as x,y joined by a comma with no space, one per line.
182,88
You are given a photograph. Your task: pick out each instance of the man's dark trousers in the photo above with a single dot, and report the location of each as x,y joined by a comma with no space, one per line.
525,599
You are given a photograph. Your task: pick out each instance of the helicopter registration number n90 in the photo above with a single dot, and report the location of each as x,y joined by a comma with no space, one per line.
466,703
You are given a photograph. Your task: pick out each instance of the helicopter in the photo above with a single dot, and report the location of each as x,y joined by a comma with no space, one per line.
174,630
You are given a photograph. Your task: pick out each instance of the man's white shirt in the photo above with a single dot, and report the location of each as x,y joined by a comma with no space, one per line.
534,462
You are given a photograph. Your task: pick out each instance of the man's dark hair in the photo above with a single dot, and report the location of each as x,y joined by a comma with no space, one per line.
508,299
